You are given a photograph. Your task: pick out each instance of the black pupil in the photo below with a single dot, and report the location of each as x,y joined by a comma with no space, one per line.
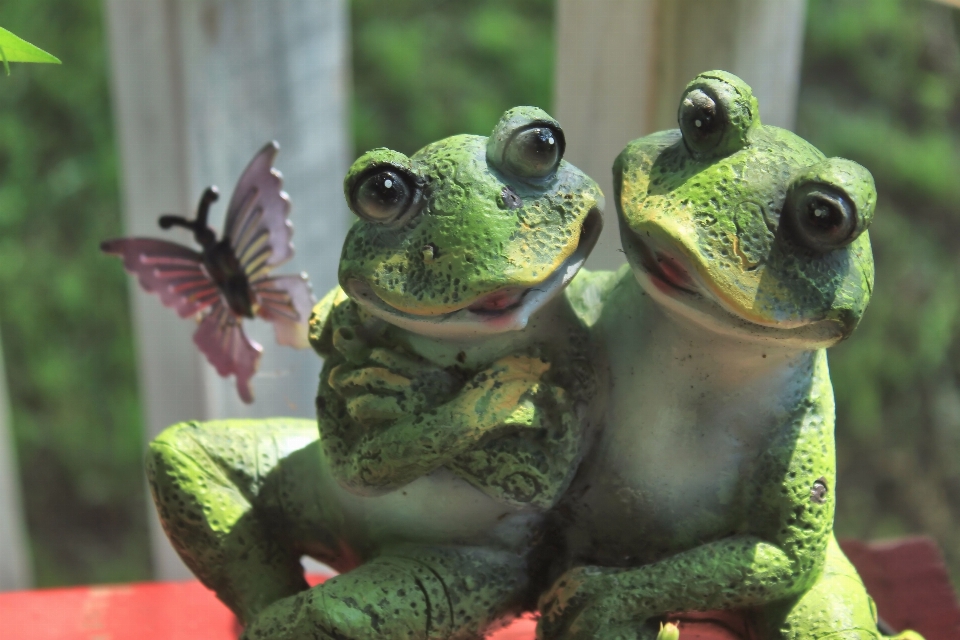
534,152
542,145
383,196
823,215
700,113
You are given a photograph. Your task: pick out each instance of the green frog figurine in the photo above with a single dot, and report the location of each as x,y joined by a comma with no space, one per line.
712,484
452,407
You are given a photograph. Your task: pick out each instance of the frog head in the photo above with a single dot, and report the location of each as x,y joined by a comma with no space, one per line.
471,235
743,228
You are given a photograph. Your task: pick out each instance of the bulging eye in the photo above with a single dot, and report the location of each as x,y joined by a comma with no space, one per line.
716,113
526,143
822,220
384,187
829,204
384,196
533,152
701,120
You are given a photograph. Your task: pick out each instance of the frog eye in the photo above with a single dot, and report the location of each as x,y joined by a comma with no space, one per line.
383,187
716,112
533,152
701,120
821,220
383,196
526,143
830,204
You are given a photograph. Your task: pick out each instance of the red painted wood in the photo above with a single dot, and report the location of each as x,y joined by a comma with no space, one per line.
910,584
907,578
149,611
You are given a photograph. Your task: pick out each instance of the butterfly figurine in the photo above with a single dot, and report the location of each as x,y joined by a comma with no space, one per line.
229,279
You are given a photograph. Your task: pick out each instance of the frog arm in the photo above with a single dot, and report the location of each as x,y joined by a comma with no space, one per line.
386,457
789,509
320,325
532,466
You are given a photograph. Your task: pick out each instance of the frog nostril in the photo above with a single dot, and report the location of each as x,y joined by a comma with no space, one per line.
509,199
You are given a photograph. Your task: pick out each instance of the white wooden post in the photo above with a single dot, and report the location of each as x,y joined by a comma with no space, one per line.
622,64
199,87
15,563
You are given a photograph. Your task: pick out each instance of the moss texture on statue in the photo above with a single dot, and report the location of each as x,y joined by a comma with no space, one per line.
452,406
654,440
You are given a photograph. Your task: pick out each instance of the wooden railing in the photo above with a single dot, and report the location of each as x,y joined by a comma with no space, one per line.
199,86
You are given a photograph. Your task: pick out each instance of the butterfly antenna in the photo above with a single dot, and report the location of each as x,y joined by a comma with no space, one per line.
211,195
201,232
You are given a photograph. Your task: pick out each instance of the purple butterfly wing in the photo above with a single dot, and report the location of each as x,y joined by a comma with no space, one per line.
286,301
170,270
221,338
257,226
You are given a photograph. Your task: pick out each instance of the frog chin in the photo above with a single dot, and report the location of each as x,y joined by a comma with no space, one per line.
682,292
506,309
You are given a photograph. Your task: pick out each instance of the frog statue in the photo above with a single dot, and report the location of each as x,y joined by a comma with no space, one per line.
712,483
452,409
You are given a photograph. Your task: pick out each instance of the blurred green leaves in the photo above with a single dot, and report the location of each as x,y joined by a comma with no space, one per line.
63,307
427,69
881,85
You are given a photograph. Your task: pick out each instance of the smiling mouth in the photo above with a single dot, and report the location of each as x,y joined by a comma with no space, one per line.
508,304
666,273
509,299
498,302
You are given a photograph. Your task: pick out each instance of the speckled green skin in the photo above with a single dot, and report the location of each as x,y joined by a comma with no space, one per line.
711,485
444,434
485,230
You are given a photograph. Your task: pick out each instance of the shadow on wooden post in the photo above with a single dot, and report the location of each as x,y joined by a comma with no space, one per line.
198,88
622,64
15,563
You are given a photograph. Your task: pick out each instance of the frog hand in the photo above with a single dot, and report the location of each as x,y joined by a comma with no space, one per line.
582,604
320,325
389,385
503,395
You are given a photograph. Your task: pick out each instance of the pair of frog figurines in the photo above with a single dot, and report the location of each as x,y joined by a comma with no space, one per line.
493,441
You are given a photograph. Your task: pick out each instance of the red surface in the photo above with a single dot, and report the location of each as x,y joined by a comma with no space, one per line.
907,578
910,583
145,611
150,611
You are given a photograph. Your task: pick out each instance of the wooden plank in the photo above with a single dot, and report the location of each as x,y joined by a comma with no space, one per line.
148,611
622,64
15,571
910,584
198,88
950,3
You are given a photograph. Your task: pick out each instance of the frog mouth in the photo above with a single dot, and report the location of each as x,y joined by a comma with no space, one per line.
506,309
678,287
666,273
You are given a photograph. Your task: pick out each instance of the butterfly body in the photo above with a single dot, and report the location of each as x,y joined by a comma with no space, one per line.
229,279
223,267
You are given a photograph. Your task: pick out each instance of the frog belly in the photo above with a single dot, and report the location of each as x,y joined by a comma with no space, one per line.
666,471
653,495
438,508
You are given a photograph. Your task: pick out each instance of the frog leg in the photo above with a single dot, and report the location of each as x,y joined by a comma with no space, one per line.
837,607
240,501
788,508
409,593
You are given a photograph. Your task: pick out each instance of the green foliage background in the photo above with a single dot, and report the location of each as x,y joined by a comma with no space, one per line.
881,85
64,318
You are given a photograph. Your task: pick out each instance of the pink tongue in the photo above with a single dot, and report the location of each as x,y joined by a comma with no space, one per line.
499,300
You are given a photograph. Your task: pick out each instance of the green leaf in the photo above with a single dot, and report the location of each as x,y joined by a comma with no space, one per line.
15,49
